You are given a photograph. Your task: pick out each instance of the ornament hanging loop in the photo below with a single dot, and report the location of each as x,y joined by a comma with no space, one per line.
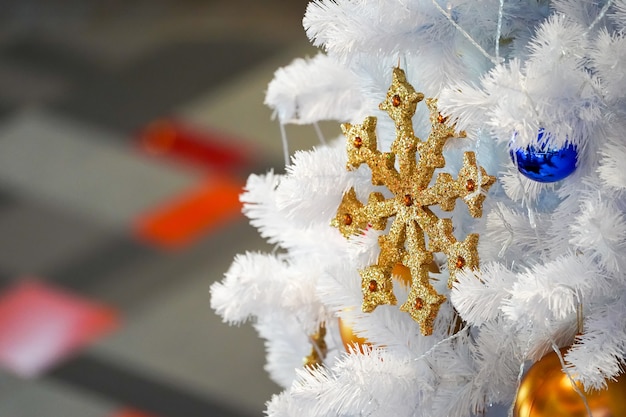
579,313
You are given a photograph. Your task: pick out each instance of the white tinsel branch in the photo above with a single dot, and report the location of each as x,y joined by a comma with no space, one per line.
310,90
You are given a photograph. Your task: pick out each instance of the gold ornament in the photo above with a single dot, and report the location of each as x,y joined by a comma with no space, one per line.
399,273
351,340
318,350
413,194
402,274
546,391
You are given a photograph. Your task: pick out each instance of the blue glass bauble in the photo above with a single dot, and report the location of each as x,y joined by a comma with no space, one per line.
543,163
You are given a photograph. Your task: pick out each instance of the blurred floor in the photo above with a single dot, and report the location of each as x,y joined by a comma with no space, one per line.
127,129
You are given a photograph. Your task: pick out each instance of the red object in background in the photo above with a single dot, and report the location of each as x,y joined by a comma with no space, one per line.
129,412
206,149
179,221
41,325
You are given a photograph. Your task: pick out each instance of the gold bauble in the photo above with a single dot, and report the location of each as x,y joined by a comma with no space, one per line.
546,391
351,340
403,274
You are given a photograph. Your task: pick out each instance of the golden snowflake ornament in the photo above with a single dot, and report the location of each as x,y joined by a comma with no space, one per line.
413,193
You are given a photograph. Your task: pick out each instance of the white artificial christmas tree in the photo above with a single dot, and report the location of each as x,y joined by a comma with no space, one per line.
519,84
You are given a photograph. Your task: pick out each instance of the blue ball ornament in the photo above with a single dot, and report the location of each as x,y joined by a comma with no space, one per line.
543,163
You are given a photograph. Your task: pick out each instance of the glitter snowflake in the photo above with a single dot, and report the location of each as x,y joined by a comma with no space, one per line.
413,194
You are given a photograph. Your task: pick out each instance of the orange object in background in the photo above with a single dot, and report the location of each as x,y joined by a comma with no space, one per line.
41,325
129,412
185,218
203,148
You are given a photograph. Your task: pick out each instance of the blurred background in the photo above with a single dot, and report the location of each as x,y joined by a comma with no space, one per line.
127,129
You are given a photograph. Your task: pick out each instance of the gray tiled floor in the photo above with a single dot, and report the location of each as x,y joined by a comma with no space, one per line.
71,183
81,168
52,233
198,351
238,108
19,398
159,82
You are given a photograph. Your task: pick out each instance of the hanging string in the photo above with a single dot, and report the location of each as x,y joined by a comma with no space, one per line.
319,133
579,318
316,340
436,345
525,195
464,33
520,374
579,312
598,17
283,137
526,201
499,29
569,376
508,228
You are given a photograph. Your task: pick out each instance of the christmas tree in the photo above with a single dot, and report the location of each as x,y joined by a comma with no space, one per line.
469,221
